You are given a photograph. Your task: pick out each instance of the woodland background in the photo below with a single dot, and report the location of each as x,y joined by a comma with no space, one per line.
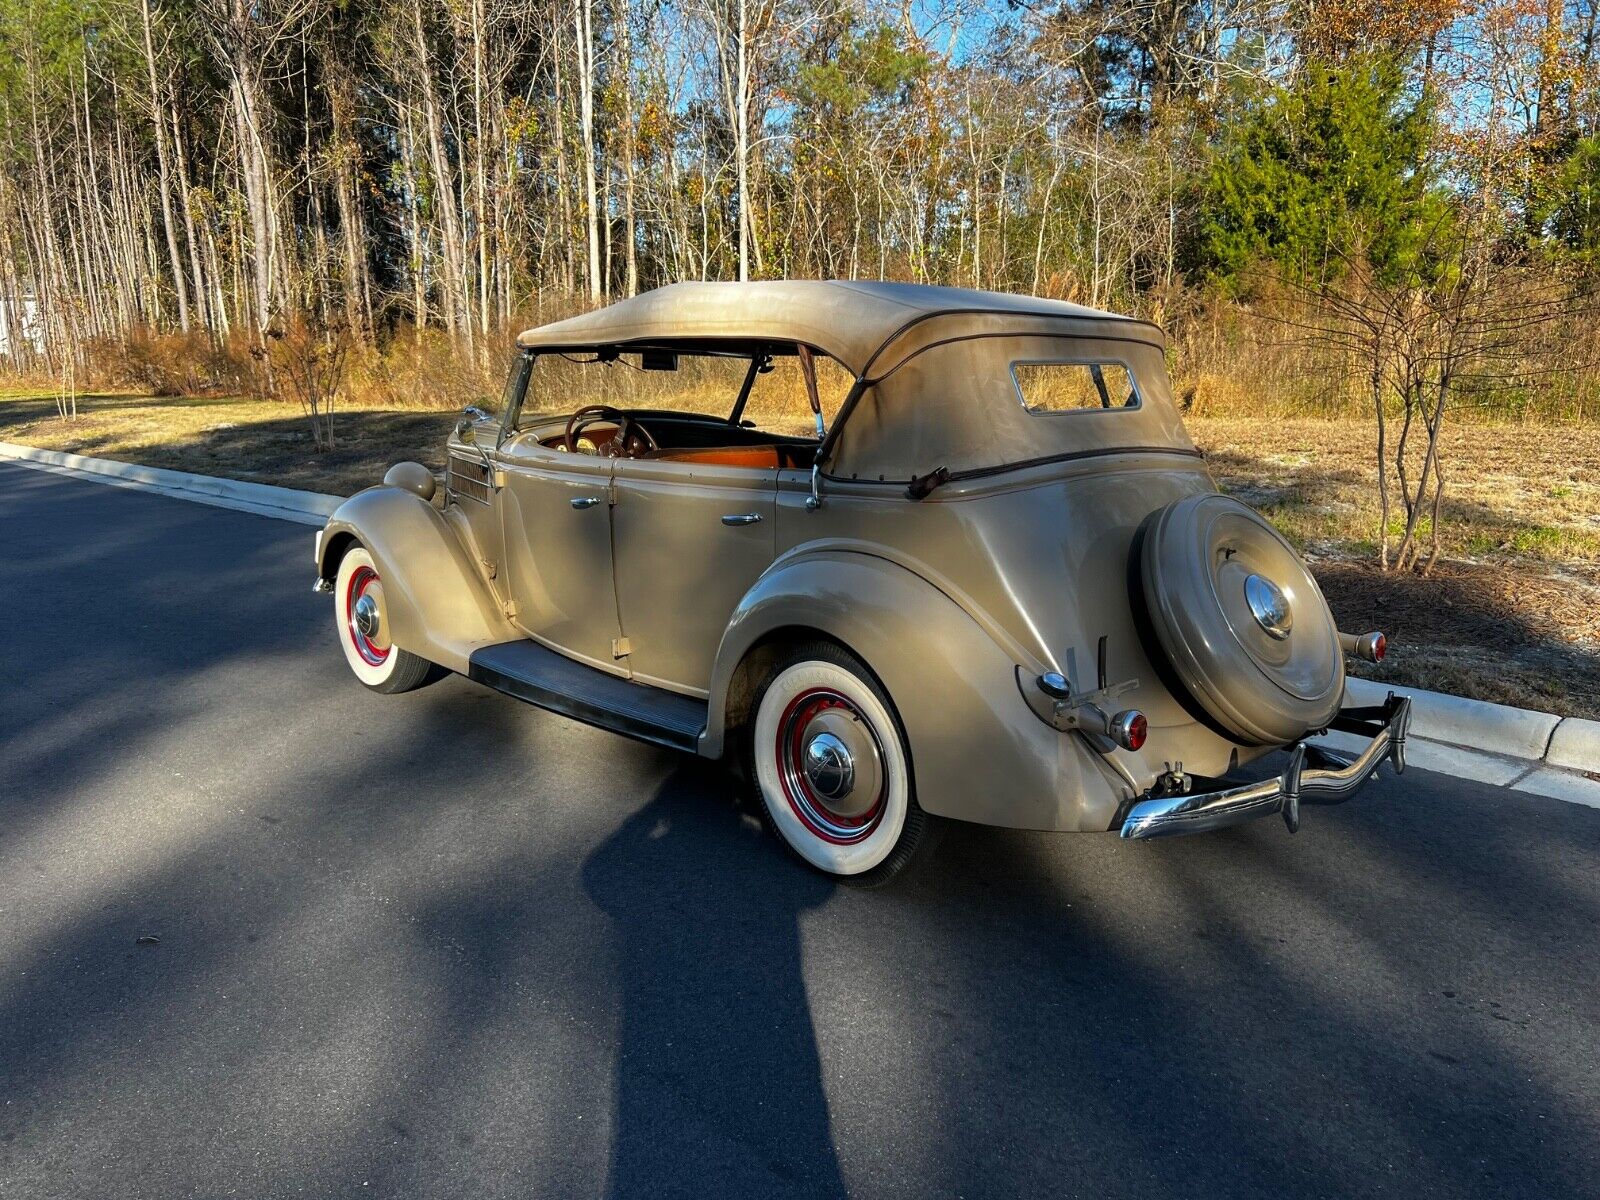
181,180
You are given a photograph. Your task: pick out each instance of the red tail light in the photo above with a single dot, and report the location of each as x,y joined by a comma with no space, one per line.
1370,646
1129,729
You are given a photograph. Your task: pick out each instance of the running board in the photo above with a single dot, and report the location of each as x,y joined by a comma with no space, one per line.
544,678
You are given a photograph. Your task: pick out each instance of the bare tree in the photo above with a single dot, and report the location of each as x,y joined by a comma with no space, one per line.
1425,343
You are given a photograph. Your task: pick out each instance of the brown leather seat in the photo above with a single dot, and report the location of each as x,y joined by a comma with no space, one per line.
763,457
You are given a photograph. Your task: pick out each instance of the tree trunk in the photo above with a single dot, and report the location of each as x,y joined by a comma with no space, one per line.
457,313
173,258
583,28
215,321
630,147
347,199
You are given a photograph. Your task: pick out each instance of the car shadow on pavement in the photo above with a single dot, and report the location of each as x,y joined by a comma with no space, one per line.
717,1059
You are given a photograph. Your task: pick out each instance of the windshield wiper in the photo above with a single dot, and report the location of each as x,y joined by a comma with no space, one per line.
921,485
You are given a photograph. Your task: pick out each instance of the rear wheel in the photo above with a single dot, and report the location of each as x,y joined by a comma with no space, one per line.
364,630
831,765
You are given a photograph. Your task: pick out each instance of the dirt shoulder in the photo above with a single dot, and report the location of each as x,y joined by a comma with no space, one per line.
1512,615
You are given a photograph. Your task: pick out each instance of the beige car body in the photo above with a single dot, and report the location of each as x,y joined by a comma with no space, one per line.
688,577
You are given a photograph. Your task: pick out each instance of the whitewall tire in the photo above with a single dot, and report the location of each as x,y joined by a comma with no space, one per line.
828,757
363,625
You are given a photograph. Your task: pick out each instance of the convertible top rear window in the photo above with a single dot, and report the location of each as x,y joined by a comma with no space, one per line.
1064,387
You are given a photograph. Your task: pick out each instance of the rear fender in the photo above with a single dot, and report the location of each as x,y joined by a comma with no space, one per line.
978,753
437,604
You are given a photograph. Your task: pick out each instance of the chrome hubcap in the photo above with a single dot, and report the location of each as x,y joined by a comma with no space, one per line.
839,761
830,768
1269,606
366,616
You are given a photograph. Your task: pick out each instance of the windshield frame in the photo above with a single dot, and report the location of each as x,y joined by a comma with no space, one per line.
511,399
759,354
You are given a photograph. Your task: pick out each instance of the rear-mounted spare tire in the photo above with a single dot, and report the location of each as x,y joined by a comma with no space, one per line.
1237,620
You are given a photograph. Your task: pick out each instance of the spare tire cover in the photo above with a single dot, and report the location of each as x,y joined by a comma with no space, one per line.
1239,619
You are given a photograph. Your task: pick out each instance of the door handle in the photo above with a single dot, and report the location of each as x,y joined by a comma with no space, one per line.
741,518
585,501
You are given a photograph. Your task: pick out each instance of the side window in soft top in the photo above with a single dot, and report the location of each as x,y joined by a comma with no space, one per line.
1056,387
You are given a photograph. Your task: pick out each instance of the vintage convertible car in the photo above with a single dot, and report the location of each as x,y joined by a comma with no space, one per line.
992,581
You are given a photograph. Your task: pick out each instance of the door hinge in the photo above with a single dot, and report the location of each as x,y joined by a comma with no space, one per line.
511,609
611,502
621,647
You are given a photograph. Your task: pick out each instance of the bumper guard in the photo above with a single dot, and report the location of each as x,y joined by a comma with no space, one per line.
1313,776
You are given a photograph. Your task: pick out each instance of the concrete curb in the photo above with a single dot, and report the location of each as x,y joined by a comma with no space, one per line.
1518,747
1575,745
308,508
1495,728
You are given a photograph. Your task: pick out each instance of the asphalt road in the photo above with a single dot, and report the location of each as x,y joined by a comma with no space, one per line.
446,945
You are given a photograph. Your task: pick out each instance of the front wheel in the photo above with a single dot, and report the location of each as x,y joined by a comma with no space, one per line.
364,630
831,764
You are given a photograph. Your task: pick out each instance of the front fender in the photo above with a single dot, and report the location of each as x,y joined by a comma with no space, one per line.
436,603
978,752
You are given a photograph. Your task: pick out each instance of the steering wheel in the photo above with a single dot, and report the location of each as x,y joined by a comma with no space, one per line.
630,441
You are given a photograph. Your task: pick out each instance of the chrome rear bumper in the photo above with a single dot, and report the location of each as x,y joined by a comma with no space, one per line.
1313,776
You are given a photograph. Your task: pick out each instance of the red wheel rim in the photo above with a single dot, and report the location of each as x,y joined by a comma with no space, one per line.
813,809
361,579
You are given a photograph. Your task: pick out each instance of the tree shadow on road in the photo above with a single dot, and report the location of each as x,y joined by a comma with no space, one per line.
717,1063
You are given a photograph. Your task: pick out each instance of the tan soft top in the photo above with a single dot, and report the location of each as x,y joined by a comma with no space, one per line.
936,361
853,322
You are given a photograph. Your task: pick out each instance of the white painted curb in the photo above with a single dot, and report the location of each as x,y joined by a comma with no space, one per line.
1512,747
1575,745
1496,728
308,508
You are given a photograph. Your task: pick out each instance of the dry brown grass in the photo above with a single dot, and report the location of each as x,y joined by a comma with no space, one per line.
1525,491
263,441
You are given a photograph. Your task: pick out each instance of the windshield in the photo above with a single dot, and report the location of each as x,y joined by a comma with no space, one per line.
761,388
516,382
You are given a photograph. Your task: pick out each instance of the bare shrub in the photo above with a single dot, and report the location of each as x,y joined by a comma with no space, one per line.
169,364
1481,330
308,362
